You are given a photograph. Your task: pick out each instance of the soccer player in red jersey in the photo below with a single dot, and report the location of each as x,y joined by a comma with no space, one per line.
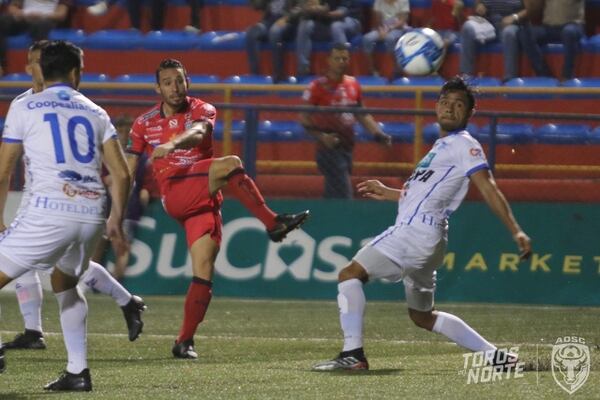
177,133
334,132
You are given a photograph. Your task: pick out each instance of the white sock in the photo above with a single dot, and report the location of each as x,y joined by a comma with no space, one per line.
28,289
460,333
97,277
351,301
73,319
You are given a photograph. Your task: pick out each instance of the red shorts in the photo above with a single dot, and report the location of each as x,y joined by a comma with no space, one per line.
186,198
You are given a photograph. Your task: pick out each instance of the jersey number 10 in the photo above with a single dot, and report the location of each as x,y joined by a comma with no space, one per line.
72,124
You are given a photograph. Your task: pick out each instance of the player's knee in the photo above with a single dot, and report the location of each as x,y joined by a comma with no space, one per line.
231,163
422,319
353,271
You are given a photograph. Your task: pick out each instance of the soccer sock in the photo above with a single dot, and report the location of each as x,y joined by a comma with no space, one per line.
98,278
73,316
196,303
245,190
460,333
351,302
29,294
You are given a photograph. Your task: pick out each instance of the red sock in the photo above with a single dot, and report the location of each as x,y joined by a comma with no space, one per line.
244,189
196,303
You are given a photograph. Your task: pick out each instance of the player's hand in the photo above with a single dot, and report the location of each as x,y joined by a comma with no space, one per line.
524,243
162,150
374,189
329,140
384,139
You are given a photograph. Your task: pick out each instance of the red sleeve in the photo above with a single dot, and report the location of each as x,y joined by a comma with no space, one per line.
311,94
204,112
358,92
137,142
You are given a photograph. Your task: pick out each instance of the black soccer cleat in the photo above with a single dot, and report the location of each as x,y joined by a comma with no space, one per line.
68,382
287,223
132,312
185,350
28,340
2,363
353,360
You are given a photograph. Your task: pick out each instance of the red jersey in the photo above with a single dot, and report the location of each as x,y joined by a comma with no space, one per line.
153,128
325,92
441,13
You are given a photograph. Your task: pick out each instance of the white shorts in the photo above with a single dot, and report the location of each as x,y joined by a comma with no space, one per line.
413,259
33,242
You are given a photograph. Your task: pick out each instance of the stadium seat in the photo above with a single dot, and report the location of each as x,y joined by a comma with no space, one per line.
581,83
16,77
170,41
249,80
1,125
431,132
401,132
362,135
594,137
22,41
87,77
533,82
281,131
203,78
563,134
368,80
75,36
237,130
434,81
136,78
507,133
223,40
126,39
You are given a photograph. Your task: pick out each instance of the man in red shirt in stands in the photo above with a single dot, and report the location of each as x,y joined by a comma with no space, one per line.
177,133
334,131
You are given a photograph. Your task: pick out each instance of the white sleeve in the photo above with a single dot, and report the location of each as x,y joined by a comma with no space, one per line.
471,156
14,130
109,131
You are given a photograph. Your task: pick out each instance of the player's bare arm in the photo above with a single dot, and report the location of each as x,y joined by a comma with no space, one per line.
9,154
188,139
486,184
374,189
374,129
328,139
115,162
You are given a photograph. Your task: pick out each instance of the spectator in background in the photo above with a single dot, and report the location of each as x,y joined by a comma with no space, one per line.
277,24
562,22
391,18
35,17
447,16
333,20
134,9
505,16
334,132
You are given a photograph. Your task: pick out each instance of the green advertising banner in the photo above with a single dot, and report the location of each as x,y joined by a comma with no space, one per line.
481,265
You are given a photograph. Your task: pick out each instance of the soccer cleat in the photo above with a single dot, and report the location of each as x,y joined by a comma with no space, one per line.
132,312
353,360
504,361
287,223
28,340
81,382
185,349
2,363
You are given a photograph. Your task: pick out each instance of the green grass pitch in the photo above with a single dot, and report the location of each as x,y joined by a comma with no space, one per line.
263,349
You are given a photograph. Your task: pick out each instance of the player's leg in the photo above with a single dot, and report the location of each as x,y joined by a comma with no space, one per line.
96,277
30,296
204,252
229,171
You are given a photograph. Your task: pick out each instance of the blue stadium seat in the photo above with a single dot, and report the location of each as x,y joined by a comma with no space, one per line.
533,82
22,41
431,132
136,78
203,78
1,125
368,80
16,77
281,131
170,40
362,135
126,39
237,130
249,80
507,133
594,137
223,40
401,132
75,36
581,83
95,78
434,81
563,134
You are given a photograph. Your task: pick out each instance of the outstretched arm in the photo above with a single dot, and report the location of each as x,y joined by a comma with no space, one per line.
374,189
9,153
486,184
188,139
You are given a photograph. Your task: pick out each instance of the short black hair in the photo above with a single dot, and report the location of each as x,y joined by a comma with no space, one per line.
38,45
340,46
58,58
460,84
167,64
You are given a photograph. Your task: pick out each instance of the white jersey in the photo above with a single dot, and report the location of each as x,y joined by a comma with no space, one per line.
61,131
440,180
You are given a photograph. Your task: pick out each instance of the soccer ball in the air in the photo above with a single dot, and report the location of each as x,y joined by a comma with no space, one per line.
420,51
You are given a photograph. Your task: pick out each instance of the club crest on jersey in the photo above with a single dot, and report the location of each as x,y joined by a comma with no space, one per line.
475,152
63,95
173,123
426,161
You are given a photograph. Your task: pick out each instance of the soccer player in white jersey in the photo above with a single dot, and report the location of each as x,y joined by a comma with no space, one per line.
28,286
65,138
412,248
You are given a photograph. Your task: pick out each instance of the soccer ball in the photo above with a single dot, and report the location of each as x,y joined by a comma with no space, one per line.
420,51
